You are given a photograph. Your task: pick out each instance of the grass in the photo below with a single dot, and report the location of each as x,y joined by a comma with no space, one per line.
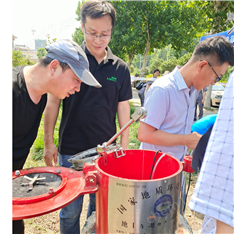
35,158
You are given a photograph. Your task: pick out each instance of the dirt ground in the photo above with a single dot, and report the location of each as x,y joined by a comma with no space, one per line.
50,223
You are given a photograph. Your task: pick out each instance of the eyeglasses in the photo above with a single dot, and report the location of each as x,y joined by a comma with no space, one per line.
93,36
218,77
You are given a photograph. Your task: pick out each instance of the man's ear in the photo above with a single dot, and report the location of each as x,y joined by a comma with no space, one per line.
201,64
54,65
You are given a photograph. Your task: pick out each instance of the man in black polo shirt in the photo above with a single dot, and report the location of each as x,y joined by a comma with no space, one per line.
60,73
88,117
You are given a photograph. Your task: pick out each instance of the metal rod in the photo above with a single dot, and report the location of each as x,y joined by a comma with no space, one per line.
119,132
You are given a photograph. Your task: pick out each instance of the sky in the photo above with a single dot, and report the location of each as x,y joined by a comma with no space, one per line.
35,19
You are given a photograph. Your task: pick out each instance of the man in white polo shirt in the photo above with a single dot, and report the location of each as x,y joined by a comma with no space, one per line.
170,101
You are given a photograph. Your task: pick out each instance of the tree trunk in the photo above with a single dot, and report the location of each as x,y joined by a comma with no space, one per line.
207,97
130,58
145,57
146,49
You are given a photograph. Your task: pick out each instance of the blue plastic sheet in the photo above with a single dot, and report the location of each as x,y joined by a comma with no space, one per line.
230,37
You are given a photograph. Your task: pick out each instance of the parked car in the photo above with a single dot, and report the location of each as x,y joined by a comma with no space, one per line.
216,94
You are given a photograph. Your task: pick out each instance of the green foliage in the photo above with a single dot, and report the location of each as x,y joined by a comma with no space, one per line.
184,59
226,75
162,64
132,108
168,65
170,21
155,63
41,52
38,146
134,143
78,36
29,62
136,71
131,69
19,60
215,14
49,40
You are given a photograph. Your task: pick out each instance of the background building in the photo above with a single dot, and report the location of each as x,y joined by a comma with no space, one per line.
40,43
27,52
13,42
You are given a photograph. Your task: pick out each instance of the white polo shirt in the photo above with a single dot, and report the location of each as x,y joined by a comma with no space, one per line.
170,108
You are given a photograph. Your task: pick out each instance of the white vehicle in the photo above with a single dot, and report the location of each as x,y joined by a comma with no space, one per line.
216,94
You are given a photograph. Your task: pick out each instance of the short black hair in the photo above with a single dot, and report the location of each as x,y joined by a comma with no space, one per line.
219,48
45,61
96,9
156,70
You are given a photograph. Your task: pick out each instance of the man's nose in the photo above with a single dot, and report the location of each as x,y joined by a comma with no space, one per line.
98,38
77,87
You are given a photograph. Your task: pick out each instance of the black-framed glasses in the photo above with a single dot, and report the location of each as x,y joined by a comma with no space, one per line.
218,77
94,36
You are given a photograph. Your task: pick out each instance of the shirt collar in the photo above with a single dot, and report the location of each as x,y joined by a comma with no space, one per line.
109,56
179,79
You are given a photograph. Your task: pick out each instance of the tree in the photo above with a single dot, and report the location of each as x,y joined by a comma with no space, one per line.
155,62
78,36
18,59
127,36
41,52
154,24
216,15
168,65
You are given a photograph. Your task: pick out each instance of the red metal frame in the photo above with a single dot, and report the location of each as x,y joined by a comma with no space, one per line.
73,185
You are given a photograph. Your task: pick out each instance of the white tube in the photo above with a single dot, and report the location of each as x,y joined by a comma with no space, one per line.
156,164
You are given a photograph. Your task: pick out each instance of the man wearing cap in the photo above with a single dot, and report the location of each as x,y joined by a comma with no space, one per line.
59,73
88,119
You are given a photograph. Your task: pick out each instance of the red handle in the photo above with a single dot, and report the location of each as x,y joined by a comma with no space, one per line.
187,164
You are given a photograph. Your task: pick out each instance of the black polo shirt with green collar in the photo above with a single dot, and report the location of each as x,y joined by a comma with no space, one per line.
88,117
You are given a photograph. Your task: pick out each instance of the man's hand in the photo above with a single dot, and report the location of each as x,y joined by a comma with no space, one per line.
50,154
193,139
50,117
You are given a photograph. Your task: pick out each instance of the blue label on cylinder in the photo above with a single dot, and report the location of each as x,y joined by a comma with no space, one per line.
162,206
